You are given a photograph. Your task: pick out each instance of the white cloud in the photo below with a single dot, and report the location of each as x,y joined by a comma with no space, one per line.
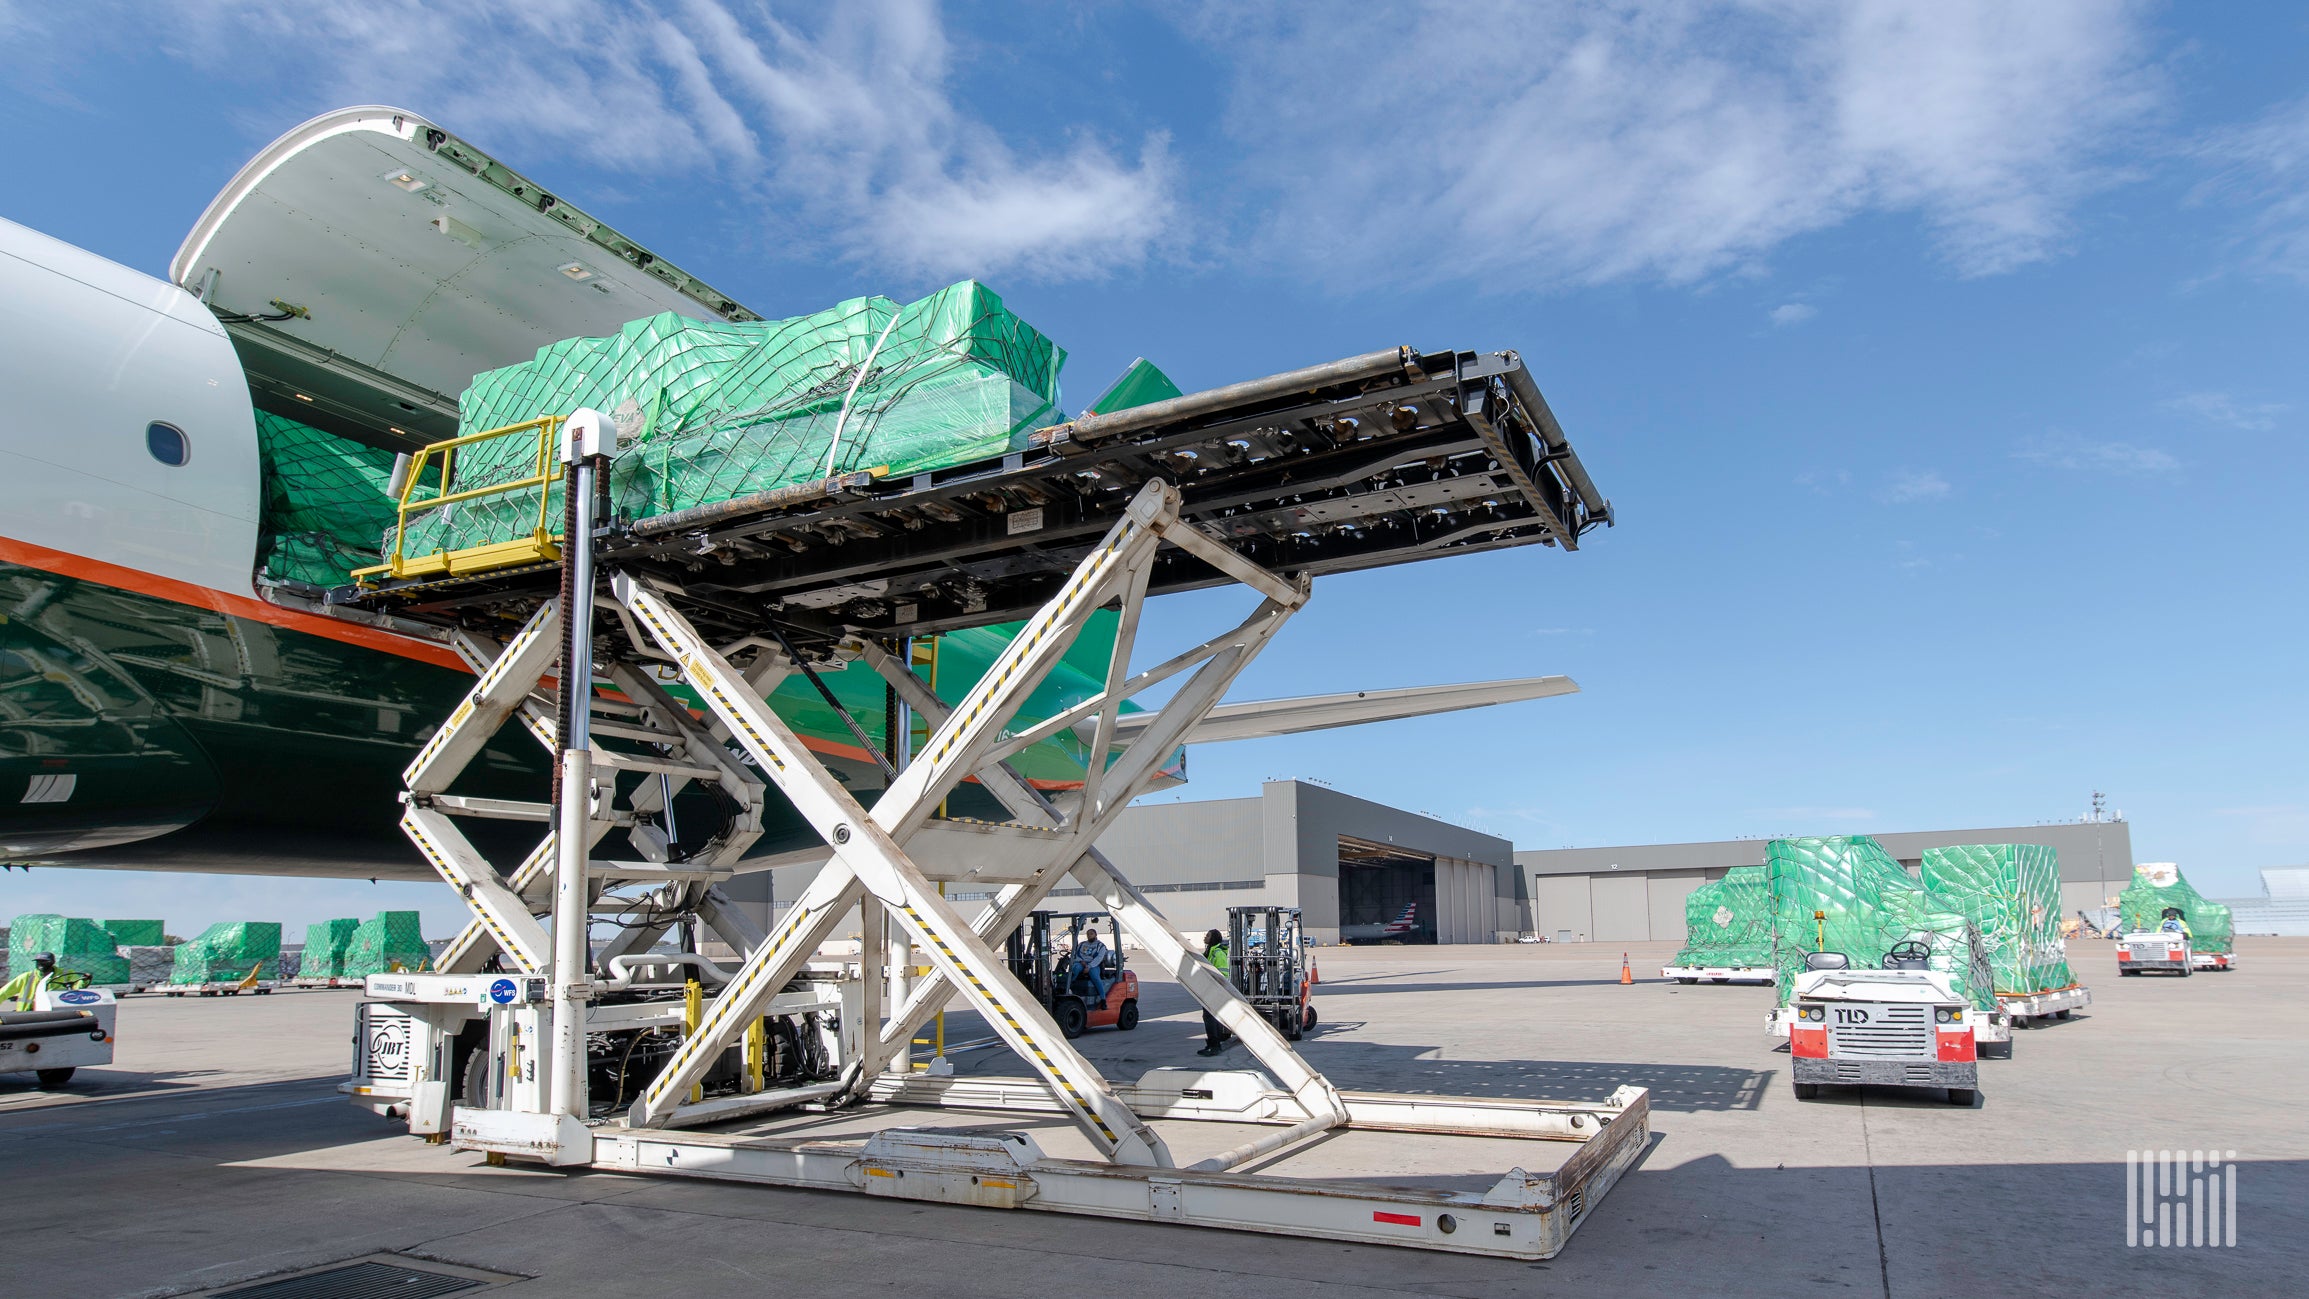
2221,408
1793,313
2068,451
1568,143
847,125
1911,485
2264,167
1825,482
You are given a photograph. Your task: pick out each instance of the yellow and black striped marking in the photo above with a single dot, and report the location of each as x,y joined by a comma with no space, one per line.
458,881
730,1003
1068,597
1025,1038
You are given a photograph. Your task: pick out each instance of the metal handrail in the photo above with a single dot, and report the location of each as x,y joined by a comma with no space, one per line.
546,429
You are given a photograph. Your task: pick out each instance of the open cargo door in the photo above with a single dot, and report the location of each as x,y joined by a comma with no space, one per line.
368,264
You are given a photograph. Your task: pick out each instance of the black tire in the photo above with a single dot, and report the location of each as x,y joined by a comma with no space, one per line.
1308,1022
1072,1019
1289,1025
1963,1096
1126,1019
2186,971
2063,1014
1807,1091
475,1083
2126,974
51,1079
1683,980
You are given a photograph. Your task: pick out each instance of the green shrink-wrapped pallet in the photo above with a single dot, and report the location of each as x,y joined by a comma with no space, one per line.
1728,922
80,947
2158,885
225,953
1846,894
392,941
325,502
2011,893
326,942
710,411
136,933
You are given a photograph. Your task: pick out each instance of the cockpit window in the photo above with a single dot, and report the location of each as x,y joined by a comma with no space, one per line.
167,444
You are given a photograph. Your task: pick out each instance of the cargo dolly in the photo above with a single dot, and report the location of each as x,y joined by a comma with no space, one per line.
1381,459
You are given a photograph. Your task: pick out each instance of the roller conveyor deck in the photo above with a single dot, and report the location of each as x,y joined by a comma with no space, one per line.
1375,460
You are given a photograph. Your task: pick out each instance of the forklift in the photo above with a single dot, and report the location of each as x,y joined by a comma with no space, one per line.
1061,984
1269,962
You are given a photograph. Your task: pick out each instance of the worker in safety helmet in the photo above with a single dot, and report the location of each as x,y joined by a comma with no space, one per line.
1215,1034
2176,923
25,988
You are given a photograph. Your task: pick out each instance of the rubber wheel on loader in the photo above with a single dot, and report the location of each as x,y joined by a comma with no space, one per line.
1071,1016
1962,1096
51,1079
1807,1091
1126,1019
1690,980
2063,1014
1307,1025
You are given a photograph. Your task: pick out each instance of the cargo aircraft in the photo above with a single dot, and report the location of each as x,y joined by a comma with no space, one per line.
163,705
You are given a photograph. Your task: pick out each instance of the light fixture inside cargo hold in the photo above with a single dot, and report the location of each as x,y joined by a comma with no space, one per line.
406,181
457,230
577,271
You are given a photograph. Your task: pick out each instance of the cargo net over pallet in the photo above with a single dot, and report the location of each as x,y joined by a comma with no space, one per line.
1727,931
2155,888
573,1050
1848,895
2011,893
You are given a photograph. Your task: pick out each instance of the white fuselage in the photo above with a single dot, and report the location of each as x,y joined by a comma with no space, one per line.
91,354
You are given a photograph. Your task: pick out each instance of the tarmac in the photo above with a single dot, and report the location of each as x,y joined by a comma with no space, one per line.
216,1151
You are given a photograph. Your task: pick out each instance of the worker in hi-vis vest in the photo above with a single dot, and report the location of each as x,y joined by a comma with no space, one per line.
25,988
1215,1034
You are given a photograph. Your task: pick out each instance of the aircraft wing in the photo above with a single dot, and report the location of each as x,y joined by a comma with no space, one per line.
1263,717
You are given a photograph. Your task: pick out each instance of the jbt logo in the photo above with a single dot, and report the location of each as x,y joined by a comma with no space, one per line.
78,998
503,991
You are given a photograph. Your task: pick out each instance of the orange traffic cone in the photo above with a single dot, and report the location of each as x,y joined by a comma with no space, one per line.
1627,973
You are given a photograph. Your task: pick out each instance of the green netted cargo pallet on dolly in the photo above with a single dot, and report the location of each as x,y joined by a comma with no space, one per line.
80,947
136,933
2141,907
322,962
1727,930
227,957
2011,891
1846,894
710,411
390,943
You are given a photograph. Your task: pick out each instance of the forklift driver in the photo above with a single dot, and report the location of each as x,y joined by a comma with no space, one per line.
1089,958
1215,1034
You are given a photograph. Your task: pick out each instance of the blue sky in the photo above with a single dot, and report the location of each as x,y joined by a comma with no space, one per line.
1943,361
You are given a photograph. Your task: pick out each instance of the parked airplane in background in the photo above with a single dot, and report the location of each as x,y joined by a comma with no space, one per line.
163,708
1402,926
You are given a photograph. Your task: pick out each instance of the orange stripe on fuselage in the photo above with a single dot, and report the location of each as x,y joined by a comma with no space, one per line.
170,589
239,606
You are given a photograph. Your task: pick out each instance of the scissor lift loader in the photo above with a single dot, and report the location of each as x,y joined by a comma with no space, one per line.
1373,460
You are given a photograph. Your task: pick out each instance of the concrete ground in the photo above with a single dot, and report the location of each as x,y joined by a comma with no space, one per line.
216,1151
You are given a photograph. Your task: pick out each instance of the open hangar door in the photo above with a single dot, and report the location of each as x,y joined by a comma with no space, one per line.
1449,900
1386,893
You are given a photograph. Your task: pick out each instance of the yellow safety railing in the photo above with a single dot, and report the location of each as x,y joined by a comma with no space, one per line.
541,543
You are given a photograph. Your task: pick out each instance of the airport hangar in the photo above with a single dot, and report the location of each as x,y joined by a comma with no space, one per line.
1348,861
1636,893
1341,860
